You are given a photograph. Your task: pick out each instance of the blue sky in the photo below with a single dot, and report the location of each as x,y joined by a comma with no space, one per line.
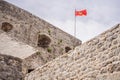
102,14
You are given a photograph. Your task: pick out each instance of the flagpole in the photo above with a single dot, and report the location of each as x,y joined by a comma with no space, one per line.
75,25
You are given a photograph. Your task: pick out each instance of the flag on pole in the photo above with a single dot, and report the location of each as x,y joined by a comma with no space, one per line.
81,12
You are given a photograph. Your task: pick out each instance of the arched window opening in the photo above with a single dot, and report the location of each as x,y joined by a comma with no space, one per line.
43,41
67,49
6,26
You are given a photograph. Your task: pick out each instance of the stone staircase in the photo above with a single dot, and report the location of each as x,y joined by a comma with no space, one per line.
96,59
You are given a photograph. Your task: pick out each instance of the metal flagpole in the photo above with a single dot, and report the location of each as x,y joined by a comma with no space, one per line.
74,33
75,25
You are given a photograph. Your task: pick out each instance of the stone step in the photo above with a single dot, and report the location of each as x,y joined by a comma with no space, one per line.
9,46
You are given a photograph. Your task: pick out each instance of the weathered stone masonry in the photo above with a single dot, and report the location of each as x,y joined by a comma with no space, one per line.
10,68
38,43
24,27
97,59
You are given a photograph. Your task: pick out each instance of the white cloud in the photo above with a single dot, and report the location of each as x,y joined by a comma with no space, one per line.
102,14
84,31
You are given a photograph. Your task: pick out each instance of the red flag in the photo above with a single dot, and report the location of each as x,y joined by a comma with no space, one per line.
81,13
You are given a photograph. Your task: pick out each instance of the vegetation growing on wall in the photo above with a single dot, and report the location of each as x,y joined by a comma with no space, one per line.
38,53
49,50
60,41
49,32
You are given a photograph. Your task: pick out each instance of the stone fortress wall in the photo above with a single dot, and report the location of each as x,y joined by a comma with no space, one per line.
10,68
96,59
48,53
48,41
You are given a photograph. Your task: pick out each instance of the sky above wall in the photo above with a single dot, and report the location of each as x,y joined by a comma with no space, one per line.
102,14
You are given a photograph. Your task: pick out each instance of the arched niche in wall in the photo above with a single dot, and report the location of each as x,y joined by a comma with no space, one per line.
67,49
6,26
43,40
